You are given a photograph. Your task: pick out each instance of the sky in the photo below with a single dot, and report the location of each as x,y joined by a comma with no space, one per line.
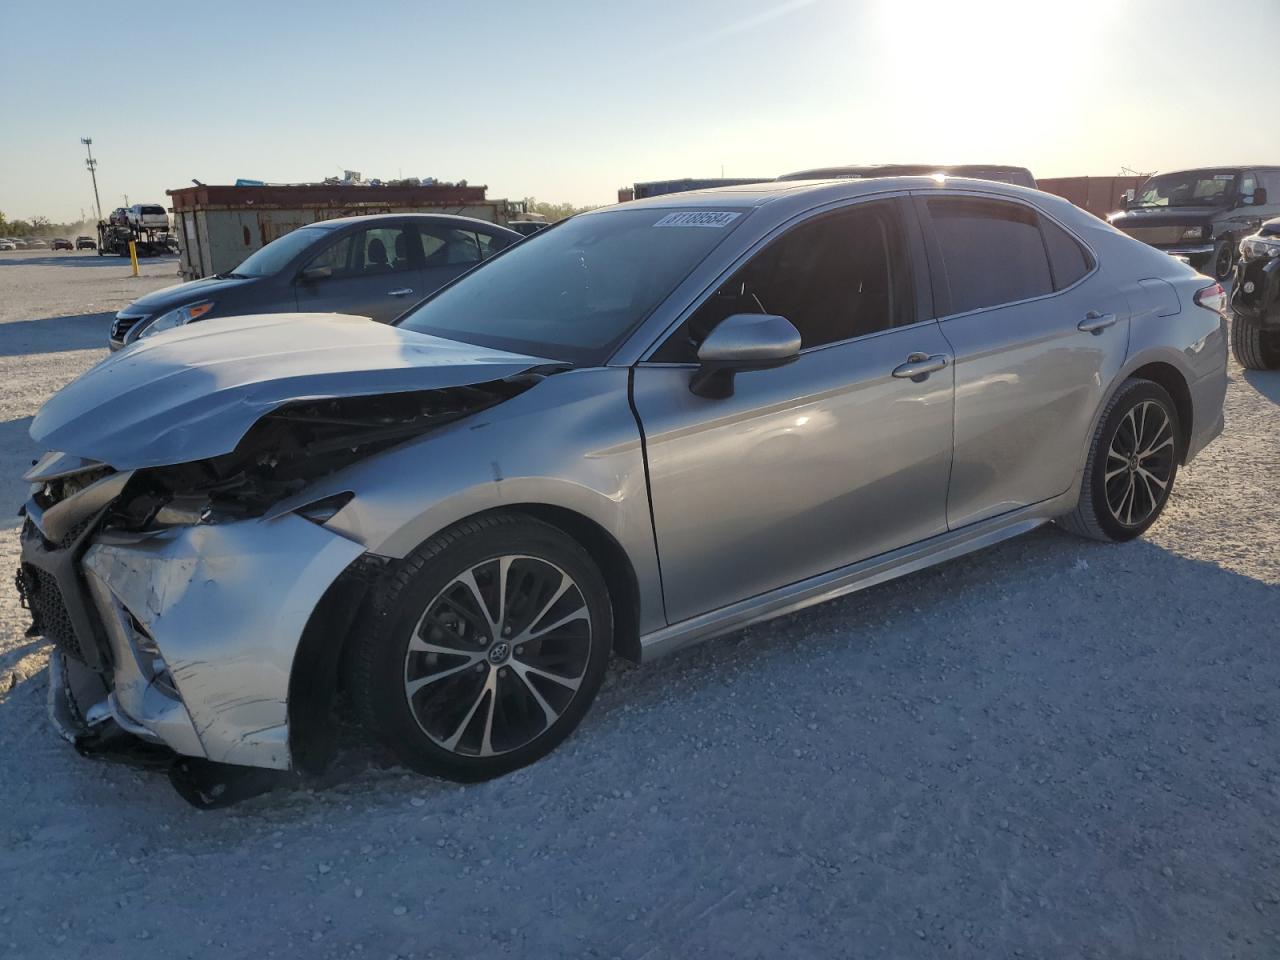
568,101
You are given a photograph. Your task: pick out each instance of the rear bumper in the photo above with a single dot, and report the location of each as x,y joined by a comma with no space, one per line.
223,605
1207,397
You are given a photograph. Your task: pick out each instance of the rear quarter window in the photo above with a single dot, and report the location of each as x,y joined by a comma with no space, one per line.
1068,259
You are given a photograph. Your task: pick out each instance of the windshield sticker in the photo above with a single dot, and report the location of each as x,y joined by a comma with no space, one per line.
1224,176
717,219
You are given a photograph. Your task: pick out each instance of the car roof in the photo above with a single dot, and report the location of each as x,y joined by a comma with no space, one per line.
896,169
440,219
807,193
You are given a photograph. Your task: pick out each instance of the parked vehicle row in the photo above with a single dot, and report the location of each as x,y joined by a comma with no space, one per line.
652,424
36,243
23,243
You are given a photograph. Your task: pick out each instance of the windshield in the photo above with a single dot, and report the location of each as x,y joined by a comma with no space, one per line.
272,258
575,291
1197,189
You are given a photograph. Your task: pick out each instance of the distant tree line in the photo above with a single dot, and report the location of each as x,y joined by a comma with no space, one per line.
42,227
552,211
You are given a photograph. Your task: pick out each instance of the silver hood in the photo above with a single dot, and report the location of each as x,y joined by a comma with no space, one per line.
192,393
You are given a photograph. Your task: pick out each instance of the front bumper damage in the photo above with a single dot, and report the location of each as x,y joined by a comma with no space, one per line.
185,637
197,600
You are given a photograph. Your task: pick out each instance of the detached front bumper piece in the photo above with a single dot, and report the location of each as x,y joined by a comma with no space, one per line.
1197,250
191,632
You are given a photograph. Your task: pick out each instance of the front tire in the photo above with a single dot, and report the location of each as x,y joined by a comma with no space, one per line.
1133,461
488,647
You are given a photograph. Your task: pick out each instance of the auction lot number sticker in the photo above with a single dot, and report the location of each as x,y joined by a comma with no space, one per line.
716,219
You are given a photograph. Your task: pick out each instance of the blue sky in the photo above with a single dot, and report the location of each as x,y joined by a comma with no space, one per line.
570,100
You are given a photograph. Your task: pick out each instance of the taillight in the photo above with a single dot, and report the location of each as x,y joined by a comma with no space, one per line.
1212,298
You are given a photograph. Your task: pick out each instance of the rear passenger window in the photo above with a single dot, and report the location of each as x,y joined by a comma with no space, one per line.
836,277
992,252
489,244
1068,260
444,247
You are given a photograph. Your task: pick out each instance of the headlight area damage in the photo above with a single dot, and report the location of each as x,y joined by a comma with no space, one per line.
188,617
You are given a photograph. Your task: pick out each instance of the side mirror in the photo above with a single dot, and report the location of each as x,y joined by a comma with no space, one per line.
743,341
1260,196
312,274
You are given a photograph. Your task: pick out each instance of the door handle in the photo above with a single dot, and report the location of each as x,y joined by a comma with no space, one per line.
1095,322
402,292
919,366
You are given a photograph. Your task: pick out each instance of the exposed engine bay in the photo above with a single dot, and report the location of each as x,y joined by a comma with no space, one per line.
286,450
290,448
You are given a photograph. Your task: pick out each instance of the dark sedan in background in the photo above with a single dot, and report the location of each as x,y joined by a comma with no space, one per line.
375,266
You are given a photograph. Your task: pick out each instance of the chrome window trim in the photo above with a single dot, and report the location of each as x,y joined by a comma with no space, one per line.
809,212
980,194
693,364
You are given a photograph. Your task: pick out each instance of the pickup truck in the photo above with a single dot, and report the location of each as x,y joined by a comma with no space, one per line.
1201,214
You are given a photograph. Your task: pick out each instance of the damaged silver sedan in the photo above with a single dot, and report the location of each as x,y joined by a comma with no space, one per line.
643,427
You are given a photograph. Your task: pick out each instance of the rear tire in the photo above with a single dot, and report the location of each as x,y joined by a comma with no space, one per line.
1132,463
1224,259
1254,348
487,648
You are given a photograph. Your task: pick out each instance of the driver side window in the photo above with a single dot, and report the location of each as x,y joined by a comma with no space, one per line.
336,256
835,277
373,251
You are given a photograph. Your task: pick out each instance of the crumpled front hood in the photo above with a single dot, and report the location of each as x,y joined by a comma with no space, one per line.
192,393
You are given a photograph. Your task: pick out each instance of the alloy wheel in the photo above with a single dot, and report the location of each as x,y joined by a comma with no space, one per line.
1225,261
1140,463
498,656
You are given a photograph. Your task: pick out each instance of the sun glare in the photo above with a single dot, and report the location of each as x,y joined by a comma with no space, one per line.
980,76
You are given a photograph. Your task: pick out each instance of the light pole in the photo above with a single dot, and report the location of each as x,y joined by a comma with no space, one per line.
92,164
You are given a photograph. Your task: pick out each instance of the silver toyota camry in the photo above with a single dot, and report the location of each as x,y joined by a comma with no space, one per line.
643,427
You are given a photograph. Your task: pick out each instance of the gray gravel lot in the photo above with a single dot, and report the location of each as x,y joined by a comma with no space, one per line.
1054,748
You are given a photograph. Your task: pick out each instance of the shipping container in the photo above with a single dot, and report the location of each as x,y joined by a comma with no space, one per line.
1098,195
658,188
218,226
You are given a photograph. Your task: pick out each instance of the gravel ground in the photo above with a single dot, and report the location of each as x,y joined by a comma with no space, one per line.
1053,748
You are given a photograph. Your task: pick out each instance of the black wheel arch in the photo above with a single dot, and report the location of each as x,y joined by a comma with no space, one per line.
315,679
1169,377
